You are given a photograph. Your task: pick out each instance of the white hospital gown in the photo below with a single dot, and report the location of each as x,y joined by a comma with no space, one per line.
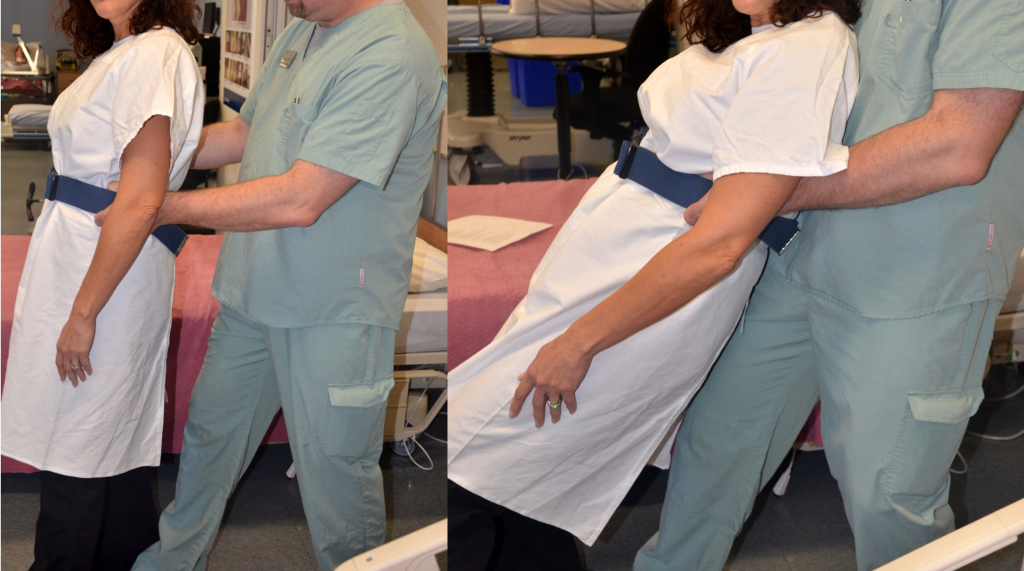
775,102
113,421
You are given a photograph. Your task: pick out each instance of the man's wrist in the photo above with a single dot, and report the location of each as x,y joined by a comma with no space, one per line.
168,210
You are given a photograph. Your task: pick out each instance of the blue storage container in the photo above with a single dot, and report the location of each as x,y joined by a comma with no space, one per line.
533,82
513,75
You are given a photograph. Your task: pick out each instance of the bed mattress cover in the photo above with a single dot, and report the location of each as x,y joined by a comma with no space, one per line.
29,115
424,324
501,25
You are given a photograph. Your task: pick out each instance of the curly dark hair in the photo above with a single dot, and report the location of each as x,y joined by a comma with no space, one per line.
717,24
91,35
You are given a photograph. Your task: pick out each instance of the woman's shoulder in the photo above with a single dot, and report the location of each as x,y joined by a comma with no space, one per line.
827,28
156,43
826,35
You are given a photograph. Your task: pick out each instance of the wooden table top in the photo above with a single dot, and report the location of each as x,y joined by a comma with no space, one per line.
558,48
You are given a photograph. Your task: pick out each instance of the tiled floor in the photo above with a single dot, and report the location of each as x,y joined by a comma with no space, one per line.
806,530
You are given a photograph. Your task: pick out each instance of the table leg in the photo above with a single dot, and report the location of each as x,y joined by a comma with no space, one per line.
562,118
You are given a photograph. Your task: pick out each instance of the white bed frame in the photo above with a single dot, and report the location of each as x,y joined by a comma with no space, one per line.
414,552
967,544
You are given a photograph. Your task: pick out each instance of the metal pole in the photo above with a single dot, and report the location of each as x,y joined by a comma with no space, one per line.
536,9
562,118
480,18
593,23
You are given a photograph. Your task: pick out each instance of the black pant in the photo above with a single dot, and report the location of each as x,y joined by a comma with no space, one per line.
99,524
483,535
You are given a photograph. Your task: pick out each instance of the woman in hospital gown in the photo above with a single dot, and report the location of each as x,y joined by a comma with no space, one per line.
84,393
765,110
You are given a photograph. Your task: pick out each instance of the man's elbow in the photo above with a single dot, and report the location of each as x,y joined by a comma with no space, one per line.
304,216
970,168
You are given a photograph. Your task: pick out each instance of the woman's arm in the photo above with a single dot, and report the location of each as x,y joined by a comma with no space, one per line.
739,207
140,192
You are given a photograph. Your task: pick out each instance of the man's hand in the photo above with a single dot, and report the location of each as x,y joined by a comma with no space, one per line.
693,211
101,216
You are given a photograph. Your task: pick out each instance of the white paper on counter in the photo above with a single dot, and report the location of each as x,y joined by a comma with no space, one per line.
490,233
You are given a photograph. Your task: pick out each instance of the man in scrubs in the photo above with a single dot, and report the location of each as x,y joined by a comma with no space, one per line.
883,307
336,141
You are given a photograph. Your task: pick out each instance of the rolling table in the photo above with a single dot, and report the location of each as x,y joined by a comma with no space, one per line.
560,50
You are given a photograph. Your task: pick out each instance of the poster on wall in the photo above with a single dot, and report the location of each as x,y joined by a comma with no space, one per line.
238,52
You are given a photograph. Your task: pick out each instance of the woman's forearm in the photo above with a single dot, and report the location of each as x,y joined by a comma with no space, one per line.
121,240
677,274
738,209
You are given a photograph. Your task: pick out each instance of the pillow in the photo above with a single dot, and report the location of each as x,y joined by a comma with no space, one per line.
577,6
429,268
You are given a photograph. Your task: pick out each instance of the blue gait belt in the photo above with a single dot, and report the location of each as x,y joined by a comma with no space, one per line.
93,199
644,168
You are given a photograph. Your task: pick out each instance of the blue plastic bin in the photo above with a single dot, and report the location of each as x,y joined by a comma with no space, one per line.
533,82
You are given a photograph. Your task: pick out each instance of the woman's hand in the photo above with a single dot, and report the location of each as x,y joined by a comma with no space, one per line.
73,349
553,376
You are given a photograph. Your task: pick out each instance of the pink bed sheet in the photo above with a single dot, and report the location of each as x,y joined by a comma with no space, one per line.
484,287
193,314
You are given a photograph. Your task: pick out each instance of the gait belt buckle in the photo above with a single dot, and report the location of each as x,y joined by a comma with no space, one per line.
633,144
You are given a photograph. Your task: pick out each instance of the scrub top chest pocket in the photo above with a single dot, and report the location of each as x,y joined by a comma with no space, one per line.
297,119
912,30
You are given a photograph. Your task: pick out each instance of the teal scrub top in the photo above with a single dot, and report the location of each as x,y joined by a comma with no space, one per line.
365,99
952,247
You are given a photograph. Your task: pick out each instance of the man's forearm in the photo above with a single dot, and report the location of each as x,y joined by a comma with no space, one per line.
221,144
295,198
259,204
952,145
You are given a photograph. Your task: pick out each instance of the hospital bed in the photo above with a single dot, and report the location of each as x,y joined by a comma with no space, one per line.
500,24
421,344
29,87
26,121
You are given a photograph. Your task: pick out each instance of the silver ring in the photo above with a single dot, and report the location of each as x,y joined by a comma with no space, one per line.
75,365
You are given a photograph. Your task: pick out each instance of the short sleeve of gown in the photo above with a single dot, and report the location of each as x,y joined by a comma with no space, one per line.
365,121
789,114
159,76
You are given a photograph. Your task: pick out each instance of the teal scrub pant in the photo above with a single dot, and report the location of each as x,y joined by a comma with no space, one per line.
896,395
332,382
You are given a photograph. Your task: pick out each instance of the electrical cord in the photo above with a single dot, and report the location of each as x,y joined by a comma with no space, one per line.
962,459
989,436
404,444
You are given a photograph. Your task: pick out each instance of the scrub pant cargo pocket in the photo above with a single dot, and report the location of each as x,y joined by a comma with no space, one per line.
896,395
332,382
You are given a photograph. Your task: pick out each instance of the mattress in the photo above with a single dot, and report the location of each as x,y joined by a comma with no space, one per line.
499,24
29,116
1015,297
424,325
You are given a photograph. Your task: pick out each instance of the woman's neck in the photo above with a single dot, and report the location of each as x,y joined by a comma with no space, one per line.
760,19
122,27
